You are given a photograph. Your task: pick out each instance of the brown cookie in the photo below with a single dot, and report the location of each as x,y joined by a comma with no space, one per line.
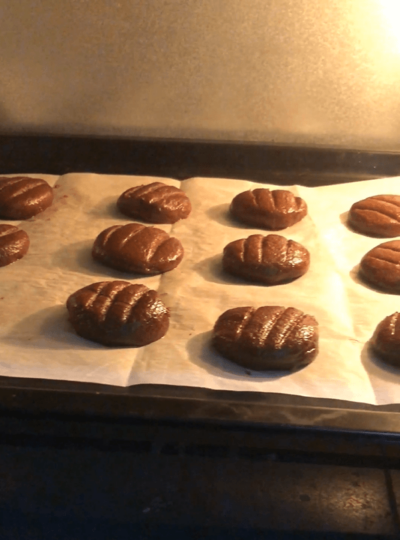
118,313
266,259
155,203
381,266
139,249
267,338
14,244
376,216
22,197
386,339
267,209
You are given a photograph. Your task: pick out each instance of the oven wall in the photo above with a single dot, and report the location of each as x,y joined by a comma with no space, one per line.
288,71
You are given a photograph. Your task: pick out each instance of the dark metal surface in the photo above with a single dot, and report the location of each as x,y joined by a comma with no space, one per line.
171,404
183,159
83,492
180,405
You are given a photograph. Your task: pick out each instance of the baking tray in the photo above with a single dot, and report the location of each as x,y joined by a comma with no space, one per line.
157,404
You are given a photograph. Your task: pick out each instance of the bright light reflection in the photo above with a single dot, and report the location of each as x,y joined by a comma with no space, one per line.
391,13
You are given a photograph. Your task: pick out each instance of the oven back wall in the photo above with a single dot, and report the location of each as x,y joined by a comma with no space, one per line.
284,71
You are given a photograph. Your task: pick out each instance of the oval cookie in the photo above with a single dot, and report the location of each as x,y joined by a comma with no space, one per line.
386,339
14,244
118,313
267,338
155,203
268,209
137,248
381,266
377,216
22,197
268,259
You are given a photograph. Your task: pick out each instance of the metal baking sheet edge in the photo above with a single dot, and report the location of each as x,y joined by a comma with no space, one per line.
183,159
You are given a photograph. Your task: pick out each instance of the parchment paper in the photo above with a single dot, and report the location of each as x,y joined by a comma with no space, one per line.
36,339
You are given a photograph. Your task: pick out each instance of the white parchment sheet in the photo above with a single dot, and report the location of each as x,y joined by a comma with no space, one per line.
36,339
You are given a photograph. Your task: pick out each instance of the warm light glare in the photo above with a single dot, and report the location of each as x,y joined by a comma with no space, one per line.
391,14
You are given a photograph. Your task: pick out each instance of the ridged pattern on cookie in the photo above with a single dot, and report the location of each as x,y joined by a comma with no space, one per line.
118,312
14,244
155,203
381,265
267,259
23,197
270,337
274,210
136,248
378,215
